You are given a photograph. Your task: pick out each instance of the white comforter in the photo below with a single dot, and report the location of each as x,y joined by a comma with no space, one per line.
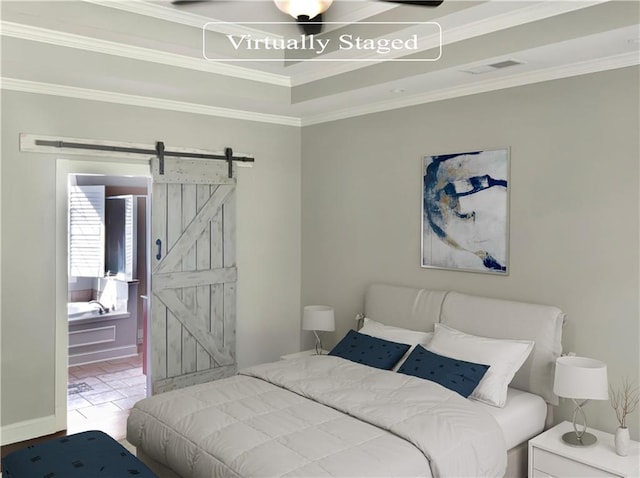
359,421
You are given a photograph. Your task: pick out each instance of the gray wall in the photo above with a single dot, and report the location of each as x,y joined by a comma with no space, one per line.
574,216
574,208
268,222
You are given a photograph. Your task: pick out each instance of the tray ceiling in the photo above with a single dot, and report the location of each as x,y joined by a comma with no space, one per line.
151,53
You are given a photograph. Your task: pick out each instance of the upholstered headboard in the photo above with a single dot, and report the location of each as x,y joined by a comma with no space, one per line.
420,309
415,309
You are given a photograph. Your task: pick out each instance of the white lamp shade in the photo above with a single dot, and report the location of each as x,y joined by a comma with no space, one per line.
310,8
581,378
318,317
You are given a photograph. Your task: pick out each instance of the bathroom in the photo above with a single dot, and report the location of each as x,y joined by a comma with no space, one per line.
107,290
107,277
103,321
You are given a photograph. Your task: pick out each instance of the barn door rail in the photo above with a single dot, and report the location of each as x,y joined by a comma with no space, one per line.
41,144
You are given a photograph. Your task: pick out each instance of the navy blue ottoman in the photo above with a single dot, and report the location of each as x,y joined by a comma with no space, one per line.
83,455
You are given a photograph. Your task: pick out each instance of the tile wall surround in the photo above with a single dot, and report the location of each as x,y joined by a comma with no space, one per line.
84,295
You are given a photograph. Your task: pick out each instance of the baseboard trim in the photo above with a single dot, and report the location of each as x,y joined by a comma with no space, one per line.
28,430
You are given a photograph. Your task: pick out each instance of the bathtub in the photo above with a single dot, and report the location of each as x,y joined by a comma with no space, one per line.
87,311
94,337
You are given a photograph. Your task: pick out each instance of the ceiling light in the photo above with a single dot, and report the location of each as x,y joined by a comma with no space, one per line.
307,9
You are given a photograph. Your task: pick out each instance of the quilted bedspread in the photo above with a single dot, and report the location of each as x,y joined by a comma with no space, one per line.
318,416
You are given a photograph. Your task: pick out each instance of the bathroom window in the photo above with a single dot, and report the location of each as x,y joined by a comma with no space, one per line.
121,219
86,231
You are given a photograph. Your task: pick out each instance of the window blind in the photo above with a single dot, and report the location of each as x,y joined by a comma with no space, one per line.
86,231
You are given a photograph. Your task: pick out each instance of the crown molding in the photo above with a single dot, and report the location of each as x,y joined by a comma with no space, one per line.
27,86
306,73
554,73
297,75
70,40
565,71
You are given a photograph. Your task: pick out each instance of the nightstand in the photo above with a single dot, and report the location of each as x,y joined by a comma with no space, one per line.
304,353
550,457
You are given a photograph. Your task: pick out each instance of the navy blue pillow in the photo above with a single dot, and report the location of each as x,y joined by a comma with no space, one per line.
369,350
457,375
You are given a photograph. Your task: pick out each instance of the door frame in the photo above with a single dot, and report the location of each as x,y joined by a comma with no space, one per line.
65,167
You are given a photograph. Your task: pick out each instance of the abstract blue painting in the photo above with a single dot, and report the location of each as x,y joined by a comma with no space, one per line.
465,211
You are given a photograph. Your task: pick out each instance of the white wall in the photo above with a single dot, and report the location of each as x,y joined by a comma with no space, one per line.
574,208
268,231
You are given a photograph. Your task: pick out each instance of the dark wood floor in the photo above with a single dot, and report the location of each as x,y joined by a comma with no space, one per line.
5,450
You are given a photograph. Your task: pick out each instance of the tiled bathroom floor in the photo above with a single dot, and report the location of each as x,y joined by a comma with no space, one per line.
100,395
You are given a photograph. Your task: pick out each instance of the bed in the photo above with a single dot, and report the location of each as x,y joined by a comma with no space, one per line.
327,416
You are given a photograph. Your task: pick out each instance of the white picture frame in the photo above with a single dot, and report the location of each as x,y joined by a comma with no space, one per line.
465,211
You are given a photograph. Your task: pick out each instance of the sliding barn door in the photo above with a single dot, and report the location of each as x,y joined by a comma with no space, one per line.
193,279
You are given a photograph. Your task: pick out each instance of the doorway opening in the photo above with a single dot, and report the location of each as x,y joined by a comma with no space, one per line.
108,279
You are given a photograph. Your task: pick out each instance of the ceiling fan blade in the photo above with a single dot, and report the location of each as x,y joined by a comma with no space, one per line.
309,26
426,3
187,2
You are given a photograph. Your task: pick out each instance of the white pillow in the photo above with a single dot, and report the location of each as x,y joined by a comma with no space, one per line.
503,356
505,319
396,334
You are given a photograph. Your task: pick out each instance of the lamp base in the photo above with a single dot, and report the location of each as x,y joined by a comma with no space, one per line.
572,439
318,344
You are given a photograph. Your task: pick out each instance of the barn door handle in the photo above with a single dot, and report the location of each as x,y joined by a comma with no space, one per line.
159,244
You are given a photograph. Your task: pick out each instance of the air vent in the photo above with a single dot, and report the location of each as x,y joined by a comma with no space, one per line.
505,64
477,70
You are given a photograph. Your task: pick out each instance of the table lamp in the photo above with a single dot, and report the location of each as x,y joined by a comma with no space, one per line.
580,379
318,318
